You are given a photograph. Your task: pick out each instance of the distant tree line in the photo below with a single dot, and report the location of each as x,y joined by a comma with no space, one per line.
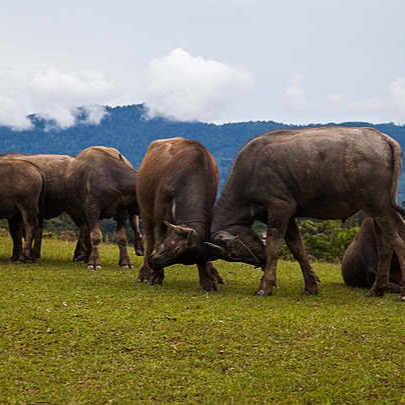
324,240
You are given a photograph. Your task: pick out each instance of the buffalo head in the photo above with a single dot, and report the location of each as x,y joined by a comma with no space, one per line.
239,245
181,244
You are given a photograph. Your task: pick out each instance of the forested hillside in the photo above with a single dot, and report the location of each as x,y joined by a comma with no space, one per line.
130,130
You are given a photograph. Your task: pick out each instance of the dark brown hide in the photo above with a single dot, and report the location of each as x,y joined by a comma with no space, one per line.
325,173
101,184
21,197
360,260
54,169
177,186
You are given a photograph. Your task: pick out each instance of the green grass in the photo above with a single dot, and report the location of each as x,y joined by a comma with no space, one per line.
73,336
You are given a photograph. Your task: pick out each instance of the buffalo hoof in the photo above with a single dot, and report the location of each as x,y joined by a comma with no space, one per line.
156,277
378,290
156,280
80,259
209,286
126,266
375,293
309,292
218,279
24,260
144,275
261,293
94,267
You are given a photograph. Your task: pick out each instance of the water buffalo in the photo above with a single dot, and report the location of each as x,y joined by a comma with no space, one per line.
54,169
102,184
21,190
177,186
359,263
323,172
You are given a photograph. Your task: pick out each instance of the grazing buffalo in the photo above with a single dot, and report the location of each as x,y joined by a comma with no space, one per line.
21,190
54,169
359,263
101,183
325,173
177,186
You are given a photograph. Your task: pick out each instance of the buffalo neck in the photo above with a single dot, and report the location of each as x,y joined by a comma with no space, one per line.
192,208
231,211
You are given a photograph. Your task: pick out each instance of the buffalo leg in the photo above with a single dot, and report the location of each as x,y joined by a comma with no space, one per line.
148,241
390,235
384,259
31,227
207,281
277,224
16,231
157,276
149,275
296,246
138,242
27,247
83,246
121,239
146,273
96,237
214,273
36,250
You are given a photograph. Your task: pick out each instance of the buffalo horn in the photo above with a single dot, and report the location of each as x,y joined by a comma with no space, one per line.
182,230
215,249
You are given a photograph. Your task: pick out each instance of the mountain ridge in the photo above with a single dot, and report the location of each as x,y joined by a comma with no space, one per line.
130,130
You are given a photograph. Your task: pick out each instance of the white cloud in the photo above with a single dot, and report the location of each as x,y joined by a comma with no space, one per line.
388,106
69,88
13,100
188,87
52,94
12,114
94,114
396,97
59,94
294,95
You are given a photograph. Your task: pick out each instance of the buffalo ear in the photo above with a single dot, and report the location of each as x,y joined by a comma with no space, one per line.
223,238
181,230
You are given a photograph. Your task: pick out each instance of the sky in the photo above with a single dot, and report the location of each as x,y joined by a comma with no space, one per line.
290,61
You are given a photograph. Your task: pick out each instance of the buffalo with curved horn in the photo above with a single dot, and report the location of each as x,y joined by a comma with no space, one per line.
177,186
323,172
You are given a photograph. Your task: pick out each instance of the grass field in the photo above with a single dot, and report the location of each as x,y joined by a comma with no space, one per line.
73,336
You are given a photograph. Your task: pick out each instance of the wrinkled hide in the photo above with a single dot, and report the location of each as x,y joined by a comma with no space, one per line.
102,184
360,260
21,190
325,173
177,185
